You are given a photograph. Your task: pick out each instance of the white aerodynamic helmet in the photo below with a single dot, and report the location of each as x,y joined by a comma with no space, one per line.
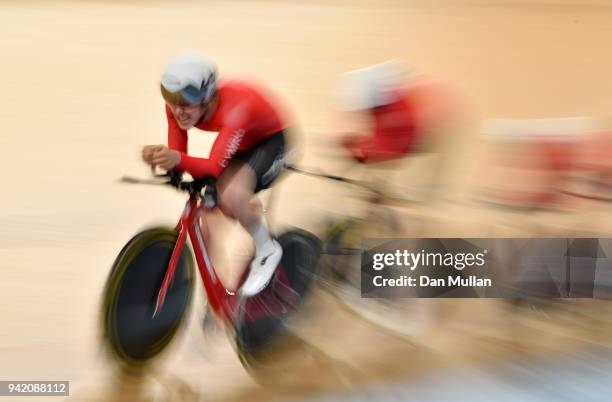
372,86
188,80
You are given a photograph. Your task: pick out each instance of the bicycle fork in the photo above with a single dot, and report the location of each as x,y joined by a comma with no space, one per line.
219,297
176,253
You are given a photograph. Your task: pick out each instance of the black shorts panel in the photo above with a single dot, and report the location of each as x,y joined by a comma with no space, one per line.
266,159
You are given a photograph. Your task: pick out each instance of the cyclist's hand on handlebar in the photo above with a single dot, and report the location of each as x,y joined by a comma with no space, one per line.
359,156
175,177
353,144
148,151
165,158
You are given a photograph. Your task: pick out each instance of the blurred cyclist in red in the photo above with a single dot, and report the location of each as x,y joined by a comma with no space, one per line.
380,91
247,155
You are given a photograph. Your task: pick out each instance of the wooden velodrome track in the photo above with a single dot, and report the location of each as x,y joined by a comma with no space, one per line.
80,96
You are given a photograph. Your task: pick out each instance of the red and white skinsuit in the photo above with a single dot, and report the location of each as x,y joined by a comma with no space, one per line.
394,133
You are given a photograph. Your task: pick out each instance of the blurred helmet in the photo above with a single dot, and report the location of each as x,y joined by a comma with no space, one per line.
372,86
189,79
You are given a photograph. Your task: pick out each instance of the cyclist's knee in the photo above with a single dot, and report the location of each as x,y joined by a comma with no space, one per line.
233,197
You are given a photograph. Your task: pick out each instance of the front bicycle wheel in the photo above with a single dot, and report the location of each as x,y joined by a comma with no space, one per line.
131,332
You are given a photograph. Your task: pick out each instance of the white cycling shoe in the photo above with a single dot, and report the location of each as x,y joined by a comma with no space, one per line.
262,270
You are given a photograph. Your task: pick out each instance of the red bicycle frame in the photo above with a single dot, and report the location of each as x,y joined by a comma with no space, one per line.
219,298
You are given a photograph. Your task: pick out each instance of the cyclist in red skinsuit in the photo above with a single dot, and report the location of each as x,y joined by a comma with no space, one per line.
247,156
380,91
393,135
243,118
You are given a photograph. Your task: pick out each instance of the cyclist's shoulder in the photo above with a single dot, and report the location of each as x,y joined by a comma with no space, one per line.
241,99
238,90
